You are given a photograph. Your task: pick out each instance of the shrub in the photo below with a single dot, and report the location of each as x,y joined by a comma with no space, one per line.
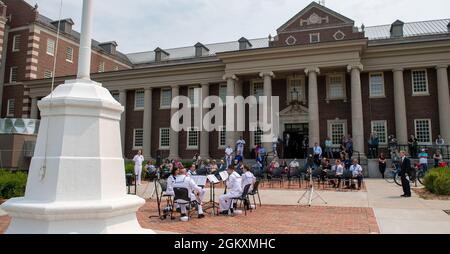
12,184
437,181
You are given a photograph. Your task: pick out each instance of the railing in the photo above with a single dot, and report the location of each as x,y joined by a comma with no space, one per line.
413,152
19,126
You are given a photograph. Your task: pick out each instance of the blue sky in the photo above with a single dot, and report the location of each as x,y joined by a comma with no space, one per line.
143,25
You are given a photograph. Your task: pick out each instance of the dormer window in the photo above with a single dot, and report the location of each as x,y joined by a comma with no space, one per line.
314,38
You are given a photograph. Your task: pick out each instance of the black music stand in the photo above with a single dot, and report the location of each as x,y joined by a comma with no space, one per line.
212,204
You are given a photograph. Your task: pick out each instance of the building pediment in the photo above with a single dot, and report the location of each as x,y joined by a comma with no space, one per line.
314,16
294,110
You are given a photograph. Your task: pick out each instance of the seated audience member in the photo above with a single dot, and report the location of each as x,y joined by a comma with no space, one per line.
214,167
284,166
326,167
356,170
222,166
192,170
294,164
338,170
195,193
274,165
310,163
234,190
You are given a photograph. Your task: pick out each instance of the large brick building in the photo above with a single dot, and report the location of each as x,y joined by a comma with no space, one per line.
28,46
389,79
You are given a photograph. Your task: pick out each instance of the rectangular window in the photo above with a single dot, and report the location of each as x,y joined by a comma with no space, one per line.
337,129
223,93
166,98
164,138
101,67
419,82
138,138
10,108
296,89
13,74
423,131
139,100
194,96
258,89
257,136
380,128
69,54
222,136
16,43
376,85
314,38
116,95
336,87
48,74
51,47
192,138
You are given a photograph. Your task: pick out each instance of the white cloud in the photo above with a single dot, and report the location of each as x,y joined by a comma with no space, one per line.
142,25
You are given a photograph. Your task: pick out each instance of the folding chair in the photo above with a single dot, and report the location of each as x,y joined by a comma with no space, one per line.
243,198
182,198
254,192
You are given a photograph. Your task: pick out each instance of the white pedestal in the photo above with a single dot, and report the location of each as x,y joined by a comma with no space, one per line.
76,182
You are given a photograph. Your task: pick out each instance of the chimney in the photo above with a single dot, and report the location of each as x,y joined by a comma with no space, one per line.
397,29
201,50
244,44
109,47
65,25
160,55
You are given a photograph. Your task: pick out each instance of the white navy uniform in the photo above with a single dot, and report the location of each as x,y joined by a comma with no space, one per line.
182,181
138,160
170,183
228,153
240,146
234,190
248,178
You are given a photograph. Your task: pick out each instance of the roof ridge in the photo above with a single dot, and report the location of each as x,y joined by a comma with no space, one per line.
413,22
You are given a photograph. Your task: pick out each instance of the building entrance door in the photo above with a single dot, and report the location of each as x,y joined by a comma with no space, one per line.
297,132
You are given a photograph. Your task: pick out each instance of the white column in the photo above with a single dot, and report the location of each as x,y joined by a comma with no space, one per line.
357,108
34,109
444,102
84,62
174,135
239,118
147,126
400,107
204,134
123,120
267,77
230,125
313,104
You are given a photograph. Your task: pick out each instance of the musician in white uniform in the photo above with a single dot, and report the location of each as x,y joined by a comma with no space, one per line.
247,178
234,190
138,160
195,193
240,146
229,155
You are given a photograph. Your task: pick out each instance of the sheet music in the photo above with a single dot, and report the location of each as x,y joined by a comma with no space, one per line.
213,179
199,180
224,175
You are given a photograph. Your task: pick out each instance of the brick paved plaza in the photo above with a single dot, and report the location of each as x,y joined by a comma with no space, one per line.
376,209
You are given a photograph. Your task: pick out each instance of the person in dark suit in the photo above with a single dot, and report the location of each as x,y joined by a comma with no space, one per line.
405,166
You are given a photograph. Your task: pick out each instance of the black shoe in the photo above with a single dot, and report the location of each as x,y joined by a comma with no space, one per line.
183,215
201,216
223,213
